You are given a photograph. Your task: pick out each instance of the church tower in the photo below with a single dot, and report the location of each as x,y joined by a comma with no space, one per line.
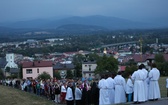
10,61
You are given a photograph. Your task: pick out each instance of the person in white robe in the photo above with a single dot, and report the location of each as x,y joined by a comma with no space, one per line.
111,86
145,81
103,93
120,85
78,95
129,89
69,95
139,91
154,90
167,86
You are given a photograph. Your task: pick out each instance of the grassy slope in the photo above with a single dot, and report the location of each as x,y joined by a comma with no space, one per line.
10,96
162,84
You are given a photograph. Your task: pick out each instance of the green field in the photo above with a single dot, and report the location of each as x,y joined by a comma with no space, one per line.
162,83
10,96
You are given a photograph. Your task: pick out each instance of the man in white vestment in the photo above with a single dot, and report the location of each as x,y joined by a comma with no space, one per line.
103,93
145,81
167,86
120,84
69,95
154,90
139,91
111,86
129,89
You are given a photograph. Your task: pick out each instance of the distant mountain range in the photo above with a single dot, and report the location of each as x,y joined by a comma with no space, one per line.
89,23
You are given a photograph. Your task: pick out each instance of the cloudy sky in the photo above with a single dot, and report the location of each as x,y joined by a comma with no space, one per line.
17,10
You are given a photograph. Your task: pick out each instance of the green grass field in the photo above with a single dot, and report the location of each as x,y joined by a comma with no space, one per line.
162,83
10,96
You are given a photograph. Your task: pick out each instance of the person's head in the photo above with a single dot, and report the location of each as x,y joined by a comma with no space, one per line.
153,65
69,84
119,73
142,65
102,76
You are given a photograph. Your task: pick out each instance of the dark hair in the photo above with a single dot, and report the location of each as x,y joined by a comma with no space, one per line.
142,65
153,65
102,76
119,72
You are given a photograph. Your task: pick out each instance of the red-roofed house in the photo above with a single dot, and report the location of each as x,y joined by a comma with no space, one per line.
121,68
33,69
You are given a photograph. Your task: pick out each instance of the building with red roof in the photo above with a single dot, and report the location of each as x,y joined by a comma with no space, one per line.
33,69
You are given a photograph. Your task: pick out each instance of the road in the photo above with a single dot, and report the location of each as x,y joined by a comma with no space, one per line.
162,101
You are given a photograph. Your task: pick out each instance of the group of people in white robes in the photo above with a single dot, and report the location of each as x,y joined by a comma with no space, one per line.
112,91
143,85
146,86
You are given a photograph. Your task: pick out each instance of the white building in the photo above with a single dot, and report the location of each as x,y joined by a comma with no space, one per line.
88,69
10,58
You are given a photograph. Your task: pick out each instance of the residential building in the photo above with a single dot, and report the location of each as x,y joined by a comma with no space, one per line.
33,69
63,68
88,69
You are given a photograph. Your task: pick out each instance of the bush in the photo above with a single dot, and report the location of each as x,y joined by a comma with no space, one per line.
44,75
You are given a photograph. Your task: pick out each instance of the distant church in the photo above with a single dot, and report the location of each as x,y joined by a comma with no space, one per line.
10,61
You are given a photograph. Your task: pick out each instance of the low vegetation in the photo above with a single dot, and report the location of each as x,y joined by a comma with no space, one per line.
10,96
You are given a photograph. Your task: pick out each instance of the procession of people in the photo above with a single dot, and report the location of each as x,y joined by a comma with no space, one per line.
139,87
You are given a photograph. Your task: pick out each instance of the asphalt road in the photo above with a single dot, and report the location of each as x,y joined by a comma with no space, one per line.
162,101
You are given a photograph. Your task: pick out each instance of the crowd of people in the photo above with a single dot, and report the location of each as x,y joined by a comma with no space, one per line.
141,86
64,91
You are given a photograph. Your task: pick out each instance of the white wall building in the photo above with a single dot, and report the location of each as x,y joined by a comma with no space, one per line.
88,69
10,58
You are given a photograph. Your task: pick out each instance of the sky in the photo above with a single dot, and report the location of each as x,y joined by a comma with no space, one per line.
19,10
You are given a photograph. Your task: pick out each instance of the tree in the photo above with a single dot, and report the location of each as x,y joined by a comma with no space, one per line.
1,74
92,57
161,64
164,72
7,69
78,68
131,62
129,70
77,61
44,75
69,74
20,71
106,64
159,58
57,75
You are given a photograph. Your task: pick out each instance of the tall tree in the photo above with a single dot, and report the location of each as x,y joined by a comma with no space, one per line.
69,74
1,74
159,58
78,68
161,64
106,64
57,75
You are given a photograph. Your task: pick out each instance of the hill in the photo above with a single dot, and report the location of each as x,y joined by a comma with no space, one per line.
79,28
112,23
10,96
